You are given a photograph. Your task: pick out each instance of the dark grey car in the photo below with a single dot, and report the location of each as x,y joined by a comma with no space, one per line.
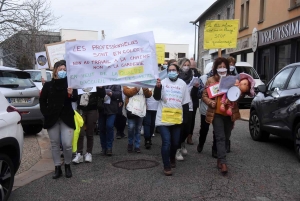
22,93
276,108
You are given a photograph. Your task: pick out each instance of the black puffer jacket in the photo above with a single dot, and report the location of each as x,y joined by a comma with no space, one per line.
111,108
55,103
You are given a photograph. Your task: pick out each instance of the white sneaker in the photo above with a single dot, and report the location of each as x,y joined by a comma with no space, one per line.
142,130
78,158
178,155
88,157
183,149
153,135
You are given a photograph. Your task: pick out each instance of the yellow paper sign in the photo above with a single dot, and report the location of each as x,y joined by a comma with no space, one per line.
131,71
220,34
160,53
171,115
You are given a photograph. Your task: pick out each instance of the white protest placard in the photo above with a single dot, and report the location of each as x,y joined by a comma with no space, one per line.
55,52
107,62
41,60
150,83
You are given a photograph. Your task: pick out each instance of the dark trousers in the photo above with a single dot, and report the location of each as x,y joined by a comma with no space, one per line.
90,118
170,137
203,130
222,128
193,118
186,127
149,124
120,124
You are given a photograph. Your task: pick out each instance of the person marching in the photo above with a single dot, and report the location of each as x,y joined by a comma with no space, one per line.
56,106
173,97
135,114
222,123
87,107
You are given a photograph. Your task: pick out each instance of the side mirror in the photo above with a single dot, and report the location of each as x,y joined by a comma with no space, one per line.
262,88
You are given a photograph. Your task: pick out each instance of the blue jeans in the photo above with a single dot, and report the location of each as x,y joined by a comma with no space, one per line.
149,123
170,137
134,131
106,127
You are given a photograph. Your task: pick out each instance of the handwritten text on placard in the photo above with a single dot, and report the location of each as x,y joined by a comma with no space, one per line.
120,61
220,34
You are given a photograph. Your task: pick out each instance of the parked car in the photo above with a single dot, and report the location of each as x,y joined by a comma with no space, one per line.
276,108
244,67
36,77
21,93
11,146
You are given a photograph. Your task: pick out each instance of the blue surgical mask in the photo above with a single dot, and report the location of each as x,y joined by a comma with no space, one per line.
62,74
165,66
232,68
172,75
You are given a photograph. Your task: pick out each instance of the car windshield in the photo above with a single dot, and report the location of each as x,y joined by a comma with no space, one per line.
36,76
248,70
14,79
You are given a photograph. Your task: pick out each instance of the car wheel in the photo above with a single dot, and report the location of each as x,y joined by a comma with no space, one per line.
32,129
7,175
297,140
256,132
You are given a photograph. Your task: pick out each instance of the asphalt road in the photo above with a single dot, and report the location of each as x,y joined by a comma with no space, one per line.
257,171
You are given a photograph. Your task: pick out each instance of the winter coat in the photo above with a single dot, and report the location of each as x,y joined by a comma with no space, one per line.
211,111
111,108
56,103
129,92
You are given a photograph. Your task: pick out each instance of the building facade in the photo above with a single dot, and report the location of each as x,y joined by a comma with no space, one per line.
220,10
69,34
269,34
176,51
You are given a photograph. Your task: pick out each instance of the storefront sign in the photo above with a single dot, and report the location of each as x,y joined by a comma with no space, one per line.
242,44
279,33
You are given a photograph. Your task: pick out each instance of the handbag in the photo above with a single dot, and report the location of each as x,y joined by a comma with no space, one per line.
136,105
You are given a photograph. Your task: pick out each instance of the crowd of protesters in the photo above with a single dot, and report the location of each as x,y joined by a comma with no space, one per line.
170,107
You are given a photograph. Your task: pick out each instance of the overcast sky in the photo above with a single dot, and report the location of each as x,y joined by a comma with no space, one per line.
168,19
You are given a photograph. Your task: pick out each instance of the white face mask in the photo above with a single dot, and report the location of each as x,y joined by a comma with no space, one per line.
232,68
221,72
185,68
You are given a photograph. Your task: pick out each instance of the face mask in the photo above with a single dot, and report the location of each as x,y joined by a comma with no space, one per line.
62,74
232,68
185,68
165,66
172,75
222,70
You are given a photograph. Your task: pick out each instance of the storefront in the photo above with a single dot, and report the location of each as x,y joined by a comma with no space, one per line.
277,47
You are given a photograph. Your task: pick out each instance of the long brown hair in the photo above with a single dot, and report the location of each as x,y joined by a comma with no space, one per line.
56,65
217,62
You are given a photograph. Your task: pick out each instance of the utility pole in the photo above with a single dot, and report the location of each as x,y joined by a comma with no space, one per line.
102,35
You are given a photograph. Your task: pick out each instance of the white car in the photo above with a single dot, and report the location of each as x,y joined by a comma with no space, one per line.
36,77
11,146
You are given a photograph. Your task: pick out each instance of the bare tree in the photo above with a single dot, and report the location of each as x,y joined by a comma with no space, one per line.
33,31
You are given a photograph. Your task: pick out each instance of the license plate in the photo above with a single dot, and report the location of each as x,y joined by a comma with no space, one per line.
19,100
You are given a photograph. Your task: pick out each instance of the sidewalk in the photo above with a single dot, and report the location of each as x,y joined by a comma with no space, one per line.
36,161
37,158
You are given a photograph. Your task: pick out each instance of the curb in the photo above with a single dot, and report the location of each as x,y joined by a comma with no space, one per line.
43,167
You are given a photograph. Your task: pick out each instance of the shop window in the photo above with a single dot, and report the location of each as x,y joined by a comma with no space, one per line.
298,51
262,11
284,56
167,55
181,55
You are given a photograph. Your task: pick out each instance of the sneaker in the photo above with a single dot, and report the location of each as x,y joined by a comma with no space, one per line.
167,171
78,159
178,155
183,149
137,150
119,137
129,148
88,157
103,152
153,135
147,144
109,152
200,147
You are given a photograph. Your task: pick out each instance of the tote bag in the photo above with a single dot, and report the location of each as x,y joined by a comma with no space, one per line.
137,104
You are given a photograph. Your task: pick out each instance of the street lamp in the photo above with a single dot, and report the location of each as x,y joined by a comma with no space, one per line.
195,38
